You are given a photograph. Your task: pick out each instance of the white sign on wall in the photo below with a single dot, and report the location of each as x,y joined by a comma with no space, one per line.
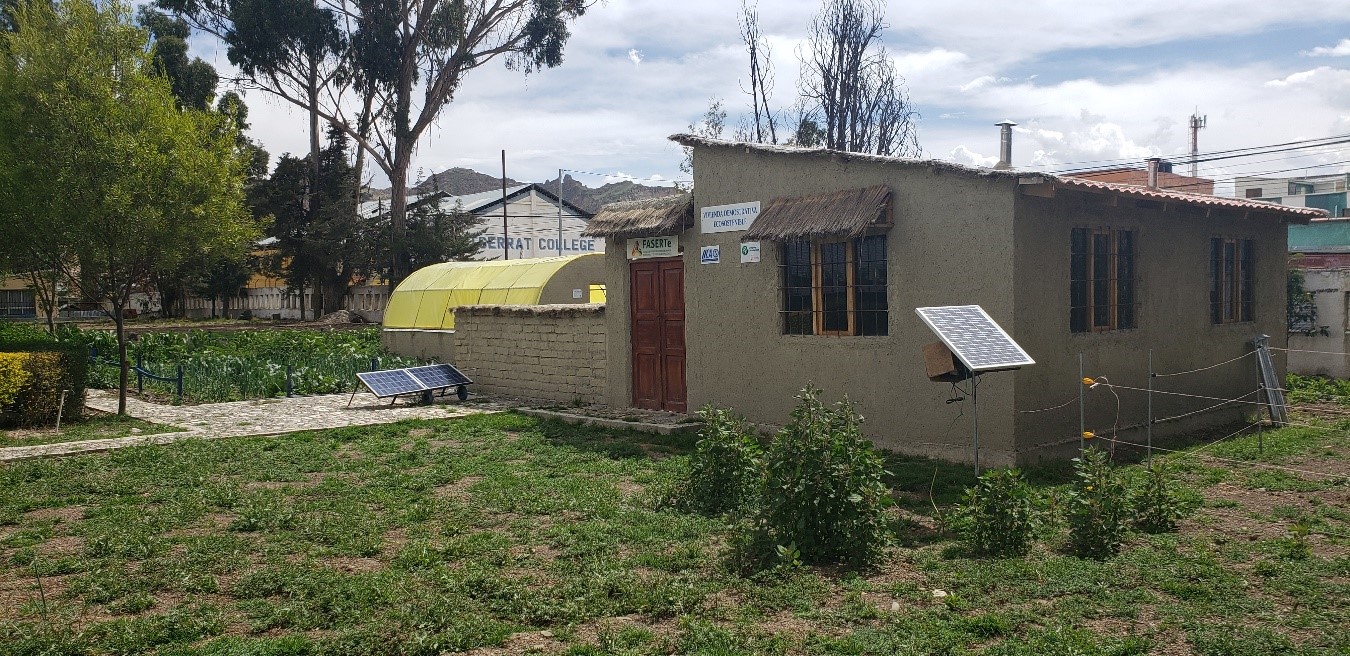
729,218
644,247
710,255
749,252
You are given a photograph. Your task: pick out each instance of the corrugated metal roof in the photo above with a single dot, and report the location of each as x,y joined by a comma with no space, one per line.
471,202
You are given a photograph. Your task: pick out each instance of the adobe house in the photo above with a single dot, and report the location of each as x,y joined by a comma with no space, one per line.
789,266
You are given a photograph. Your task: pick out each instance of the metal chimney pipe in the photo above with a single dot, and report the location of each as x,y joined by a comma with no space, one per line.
1004,145
1153,171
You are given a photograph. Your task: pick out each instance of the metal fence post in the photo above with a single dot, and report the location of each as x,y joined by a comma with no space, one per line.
140,380
290,386
179,387
374,364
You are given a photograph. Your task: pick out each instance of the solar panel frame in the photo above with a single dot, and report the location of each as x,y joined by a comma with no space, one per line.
975,338
439,376
390,382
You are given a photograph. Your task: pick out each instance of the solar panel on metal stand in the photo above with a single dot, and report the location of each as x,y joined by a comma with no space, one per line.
442,377
391,383
975,338
981,345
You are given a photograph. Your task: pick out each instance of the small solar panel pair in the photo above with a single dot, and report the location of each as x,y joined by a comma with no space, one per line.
975,338
397,382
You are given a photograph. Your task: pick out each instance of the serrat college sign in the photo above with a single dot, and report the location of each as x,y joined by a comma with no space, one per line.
729,218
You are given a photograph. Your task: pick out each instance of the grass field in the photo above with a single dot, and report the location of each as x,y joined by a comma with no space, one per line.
502,534
91,427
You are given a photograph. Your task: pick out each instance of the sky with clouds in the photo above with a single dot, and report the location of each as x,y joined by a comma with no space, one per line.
1087,82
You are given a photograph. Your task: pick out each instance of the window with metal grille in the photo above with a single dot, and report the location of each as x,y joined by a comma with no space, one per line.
834,287
1232,280
1101,280
17,303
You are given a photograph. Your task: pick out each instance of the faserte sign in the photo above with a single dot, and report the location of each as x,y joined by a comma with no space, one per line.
729,218
644,247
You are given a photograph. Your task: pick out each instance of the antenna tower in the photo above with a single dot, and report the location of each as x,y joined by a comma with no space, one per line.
1197,122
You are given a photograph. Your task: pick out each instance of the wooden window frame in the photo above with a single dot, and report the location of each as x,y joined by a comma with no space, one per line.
818,288
1113,279
1234,296
851,286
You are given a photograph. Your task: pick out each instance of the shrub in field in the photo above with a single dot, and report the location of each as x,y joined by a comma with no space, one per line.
48,368
22,333
1098,506
999,514
1156,504
823,499
726,467
13,375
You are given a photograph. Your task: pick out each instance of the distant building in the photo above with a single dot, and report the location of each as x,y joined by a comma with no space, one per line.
537,223
1324,192
1139,176
1321,250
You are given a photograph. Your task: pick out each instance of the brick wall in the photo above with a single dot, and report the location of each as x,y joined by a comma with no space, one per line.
554,352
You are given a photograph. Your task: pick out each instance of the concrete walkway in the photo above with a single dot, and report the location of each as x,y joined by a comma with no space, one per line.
251,418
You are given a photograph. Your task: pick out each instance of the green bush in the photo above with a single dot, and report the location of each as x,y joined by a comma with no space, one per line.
1097,507
1156,504
823,499
726,468
999,514
50,367
13,332
13,376
1317,389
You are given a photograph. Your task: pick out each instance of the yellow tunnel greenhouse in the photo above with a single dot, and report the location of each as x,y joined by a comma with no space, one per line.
427,298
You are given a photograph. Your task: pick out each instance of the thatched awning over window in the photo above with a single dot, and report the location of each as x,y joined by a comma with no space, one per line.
667,215
847,213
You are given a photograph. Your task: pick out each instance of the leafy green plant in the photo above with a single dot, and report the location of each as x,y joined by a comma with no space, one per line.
1295,546
823,498
726,468
1317,389
1097,508
238,365
999,514
1155,502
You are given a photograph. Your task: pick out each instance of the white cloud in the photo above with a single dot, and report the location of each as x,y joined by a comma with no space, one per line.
1297,78
982,82
1341,49
638,70
963,155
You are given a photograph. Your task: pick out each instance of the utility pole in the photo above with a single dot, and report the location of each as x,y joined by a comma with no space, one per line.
560,171
506,243
1197,122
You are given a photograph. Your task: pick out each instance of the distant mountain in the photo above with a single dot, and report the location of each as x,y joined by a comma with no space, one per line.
460,181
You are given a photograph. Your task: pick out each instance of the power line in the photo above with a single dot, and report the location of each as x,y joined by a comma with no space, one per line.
1218,155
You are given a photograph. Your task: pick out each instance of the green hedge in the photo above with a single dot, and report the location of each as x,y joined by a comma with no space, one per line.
50,367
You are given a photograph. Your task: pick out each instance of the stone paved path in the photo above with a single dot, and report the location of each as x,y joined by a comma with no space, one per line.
245,418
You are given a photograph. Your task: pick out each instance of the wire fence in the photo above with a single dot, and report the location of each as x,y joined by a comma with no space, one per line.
1258,400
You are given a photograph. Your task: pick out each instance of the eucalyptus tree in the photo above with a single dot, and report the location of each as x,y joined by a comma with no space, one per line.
856,99
386,69
102,176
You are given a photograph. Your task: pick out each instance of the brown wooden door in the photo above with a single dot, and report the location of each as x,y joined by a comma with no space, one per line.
658,334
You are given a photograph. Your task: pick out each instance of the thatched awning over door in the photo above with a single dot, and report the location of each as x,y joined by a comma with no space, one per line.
847,213
667,215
